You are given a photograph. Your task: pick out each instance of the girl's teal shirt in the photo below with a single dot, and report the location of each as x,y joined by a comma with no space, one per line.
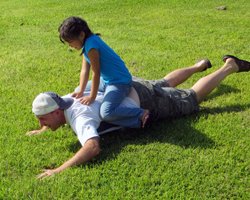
113,68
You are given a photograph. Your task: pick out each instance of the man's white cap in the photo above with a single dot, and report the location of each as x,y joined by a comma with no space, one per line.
48,102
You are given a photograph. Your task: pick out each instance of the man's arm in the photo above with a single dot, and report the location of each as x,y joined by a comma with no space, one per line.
90,149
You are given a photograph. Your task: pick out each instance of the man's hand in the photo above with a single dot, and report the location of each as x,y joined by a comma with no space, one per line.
87,100
77,95
90,149
37,132
46,173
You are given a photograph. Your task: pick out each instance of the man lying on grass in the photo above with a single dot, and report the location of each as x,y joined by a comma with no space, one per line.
159,96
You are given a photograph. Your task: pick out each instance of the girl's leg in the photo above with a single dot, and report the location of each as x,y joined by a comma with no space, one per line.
206,84
110,110
88,86
101,86
180,75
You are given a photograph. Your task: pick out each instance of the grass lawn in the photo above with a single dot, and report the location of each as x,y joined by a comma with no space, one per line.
203,156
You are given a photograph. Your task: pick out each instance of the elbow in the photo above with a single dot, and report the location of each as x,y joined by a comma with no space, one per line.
96,150
94,146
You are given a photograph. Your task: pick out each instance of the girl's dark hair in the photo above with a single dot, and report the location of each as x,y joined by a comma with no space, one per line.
71,29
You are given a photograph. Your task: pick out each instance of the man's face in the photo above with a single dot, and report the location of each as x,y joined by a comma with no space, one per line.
52,120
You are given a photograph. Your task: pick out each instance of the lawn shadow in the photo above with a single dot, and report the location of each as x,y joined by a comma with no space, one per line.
176,131
222,89
224,109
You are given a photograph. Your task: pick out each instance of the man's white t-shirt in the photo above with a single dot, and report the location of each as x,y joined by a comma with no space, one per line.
84,120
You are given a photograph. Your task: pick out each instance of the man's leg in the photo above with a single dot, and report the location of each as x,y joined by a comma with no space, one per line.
206,84
180,75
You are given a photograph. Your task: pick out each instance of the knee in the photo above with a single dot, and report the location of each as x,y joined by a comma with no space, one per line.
106,114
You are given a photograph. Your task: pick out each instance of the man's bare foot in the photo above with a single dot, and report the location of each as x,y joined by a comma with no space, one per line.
203,65
230,63
242,65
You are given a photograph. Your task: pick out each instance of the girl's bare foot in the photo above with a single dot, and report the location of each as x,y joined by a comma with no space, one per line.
145,118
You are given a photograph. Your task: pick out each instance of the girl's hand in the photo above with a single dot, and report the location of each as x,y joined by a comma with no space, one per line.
77,95
87,100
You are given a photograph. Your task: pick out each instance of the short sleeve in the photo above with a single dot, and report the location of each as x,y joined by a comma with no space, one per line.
91,43
85,129
84,120
86,133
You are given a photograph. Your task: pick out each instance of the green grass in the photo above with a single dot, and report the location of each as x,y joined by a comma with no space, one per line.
204,156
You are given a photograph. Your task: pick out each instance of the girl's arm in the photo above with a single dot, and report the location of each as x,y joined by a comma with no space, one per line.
94,57
84,77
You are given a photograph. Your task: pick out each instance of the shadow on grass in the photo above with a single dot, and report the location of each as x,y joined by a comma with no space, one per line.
177,131
225,109
222,89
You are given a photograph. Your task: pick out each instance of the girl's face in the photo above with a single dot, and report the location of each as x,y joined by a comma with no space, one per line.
77,43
